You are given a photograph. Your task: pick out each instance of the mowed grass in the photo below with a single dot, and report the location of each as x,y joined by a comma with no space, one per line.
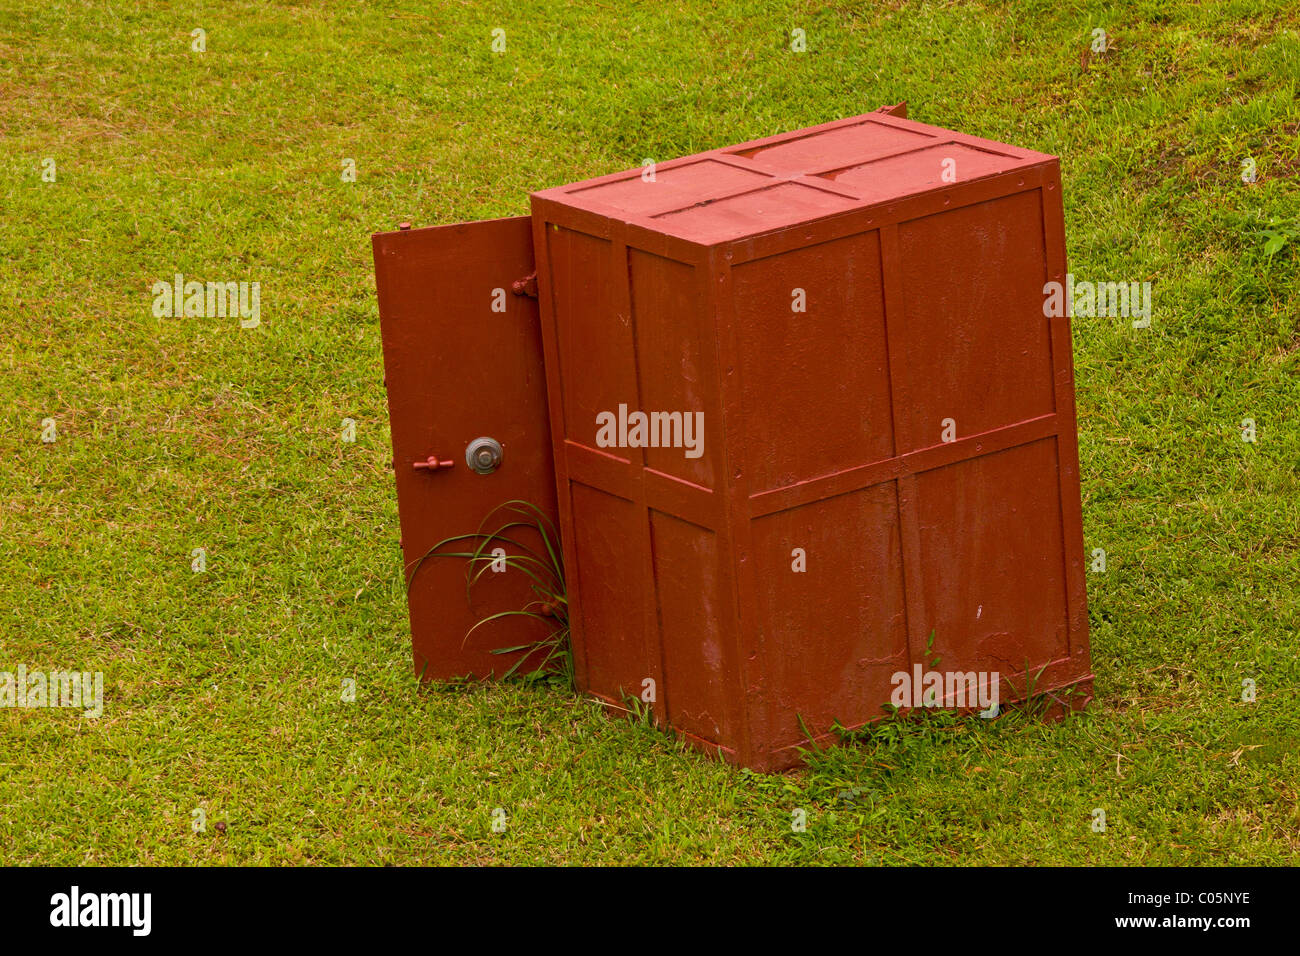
223,688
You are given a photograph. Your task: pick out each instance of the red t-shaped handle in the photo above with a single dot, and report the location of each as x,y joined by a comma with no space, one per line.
433,464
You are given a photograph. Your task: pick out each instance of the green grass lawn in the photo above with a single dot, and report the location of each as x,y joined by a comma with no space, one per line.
222,689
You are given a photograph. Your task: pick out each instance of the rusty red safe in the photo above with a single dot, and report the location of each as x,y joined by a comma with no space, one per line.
812,429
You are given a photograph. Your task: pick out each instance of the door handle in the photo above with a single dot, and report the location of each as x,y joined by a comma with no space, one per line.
433,464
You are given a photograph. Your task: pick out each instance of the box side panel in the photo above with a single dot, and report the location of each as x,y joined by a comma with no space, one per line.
610,614
639,440
596,365
832,611
811,338
674,370
590,368
695,623
972,344
968,527
992,569
699,660
992,550
810,418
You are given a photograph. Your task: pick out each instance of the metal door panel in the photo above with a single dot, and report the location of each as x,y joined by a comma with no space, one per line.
463,360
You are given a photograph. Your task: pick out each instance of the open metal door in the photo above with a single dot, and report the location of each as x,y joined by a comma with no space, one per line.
465,376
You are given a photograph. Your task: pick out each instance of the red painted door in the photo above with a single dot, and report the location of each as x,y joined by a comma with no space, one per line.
463,363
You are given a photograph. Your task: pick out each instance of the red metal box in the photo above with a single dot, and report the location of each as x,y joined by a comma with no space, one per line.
813,430
857,457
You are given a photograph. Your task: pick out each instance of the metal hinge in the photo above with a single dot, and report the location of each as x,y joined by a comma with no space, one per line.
526,286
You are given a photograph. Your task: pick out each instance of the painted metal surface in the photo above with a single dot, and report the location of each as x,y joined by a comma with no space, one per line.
856,311
462,363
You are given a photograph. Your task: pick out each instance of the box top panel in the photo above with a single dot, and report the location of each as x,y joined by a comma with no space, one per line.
770,184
